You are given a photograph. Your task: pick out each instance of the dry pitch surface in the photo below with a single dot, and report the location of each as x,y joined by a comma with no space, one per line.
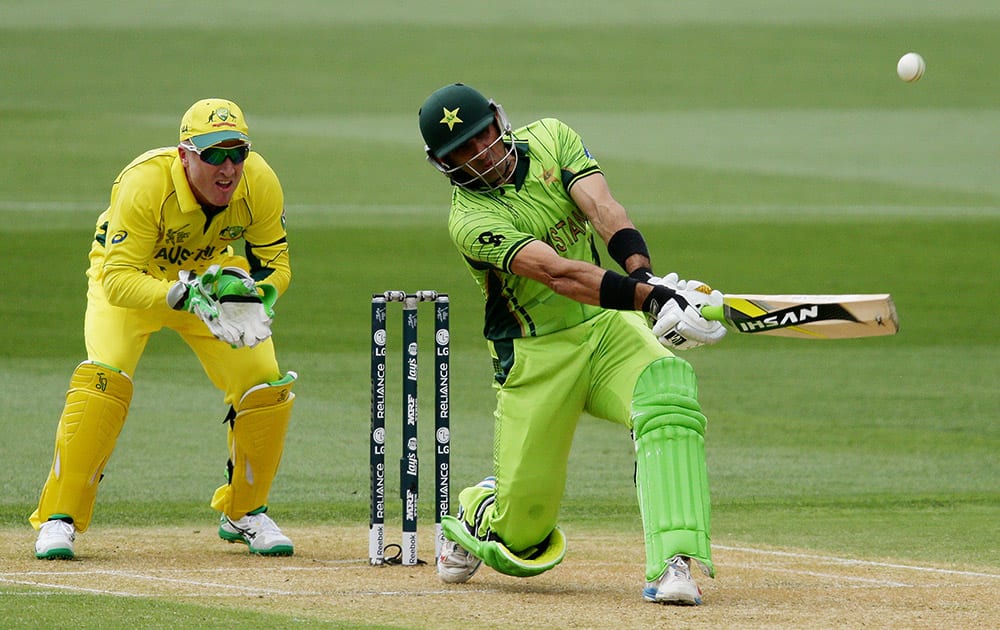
597,586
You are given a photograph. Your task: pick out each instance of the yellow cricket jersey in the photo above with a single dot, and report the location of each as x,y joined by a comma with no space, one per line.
154,227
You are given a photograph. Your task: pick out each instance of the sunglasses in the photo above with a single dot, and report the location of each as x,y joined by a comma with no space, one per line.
217,155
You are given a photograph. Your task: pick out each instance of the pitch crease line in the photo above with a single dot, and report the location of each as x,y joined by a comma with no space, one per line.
152,578
849,561
833,576
66,587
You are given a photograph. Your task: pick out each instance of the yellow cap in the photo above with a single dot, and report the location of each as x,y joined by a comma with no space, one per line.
211,121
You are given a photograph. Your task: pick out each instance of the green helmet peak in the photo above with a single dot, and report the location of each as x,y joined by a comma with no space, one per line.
451,116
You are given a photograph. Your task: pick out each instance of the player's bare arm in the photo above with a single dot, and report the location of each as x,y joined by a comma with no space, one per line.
672,311
574,279
593,196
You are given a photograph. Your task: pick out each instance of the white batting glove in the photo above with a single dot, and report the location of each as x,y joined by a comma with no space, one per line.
670,281
679,324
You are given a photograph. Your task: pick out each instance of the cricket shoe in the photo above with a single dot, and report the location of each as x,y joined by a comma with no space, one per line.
258,532
55,540
675,586
456,565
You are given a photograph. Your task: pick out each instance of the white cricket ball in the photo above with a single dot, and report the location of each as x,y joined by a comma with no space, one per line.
911,67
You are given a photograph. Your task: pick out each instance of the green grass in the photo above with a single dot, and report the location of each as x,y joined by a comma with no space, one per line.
767,149
24,611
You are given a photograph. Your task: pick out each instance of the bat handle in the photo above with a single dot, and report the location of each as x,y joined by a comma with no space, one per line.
714,313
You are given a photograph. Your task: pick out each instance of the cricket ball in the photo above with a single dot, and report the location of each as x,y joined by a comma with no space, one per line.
911,67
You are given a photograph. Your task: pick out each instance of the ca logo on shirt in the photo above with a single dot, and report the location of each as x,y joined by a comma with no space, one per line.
489,238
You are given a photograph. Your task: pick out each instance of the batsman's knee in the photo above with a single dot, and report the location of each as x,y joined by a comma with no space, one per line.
671,477
666,393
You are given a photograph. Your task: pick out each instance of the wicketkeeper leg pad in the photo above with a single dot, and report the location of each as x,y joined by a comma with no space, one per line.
671,475
256,441
96,406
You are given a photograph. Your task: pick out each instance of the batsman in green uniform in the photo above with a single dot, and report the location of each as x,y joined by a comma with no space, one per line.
568,336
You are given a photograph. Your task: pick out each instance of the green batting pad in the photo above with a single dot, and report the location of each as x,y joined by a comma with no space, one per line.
671,476
498,557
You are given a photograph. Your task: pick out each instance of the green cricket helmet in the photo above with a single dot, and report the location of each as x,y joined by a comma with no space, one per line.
453,115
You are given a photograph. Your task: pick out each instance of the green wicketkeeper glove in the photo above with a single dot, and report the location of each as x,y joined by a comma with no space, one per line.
195,294
241,305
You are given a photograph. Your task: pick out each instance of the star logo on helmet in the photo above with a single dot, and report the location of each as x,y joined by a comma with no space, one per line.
450,118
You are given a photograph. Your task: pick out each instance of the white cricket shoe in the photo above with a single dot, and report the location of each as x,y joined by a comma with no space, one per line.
455,565
258,532
55,540
675,586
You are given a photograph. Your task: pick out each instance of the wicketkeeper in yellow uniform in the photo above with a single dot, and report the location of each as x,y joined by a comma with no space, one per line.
163,257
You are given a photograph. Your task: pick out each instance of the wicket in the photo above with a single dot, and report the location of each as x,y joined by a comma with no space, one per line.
408,464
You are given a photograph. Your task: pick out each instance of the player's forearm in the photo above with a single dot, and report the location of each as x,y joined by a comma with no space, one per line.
607,216
575,279
582,284
128,287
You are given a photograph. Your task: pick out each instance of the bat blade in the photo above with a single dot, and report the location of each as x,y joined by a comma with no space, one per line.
808,316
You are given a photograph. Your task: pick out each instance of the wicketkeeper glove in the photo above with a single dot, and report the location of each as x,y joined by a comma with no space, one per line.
195,294
675,308
242,306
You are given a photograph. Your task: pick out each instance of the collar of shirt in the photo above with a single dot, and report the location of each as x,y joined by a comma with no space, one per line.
185,196
523,162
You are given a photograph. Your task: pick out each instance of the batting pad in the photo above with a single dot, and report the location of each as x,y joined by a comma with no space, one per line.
96,406
497,556
671,476
256,441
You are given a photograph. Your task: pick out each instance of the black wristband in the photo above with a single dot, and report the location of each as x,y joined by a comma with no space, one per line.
626,242
642,274
618,291
659,296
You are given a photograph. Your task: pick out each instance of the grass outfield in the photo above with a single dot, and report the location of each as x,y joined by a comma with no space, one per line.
759,146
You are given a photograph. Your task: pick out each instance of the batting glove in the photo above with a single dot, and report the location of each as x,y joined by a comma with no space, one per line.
678,323
670,281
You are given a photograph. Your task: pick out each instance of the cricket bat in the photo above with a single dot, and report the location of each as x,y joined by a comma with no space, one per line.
808,316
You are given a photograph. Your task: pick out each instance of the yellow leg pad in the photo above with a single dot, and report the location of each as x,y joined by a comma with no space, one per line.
96,405
256,440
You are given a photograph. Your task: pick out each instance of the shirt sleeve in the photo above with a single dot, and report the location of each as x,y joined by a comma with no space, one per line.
132,233
266,239
486,240
575,159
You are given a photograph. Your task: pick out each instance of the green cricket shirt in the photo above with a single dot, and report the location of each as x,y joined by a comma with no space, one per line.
490,228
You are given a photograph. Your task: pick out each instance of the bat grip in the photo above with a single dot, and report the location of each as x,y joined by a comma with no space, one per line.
713,313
